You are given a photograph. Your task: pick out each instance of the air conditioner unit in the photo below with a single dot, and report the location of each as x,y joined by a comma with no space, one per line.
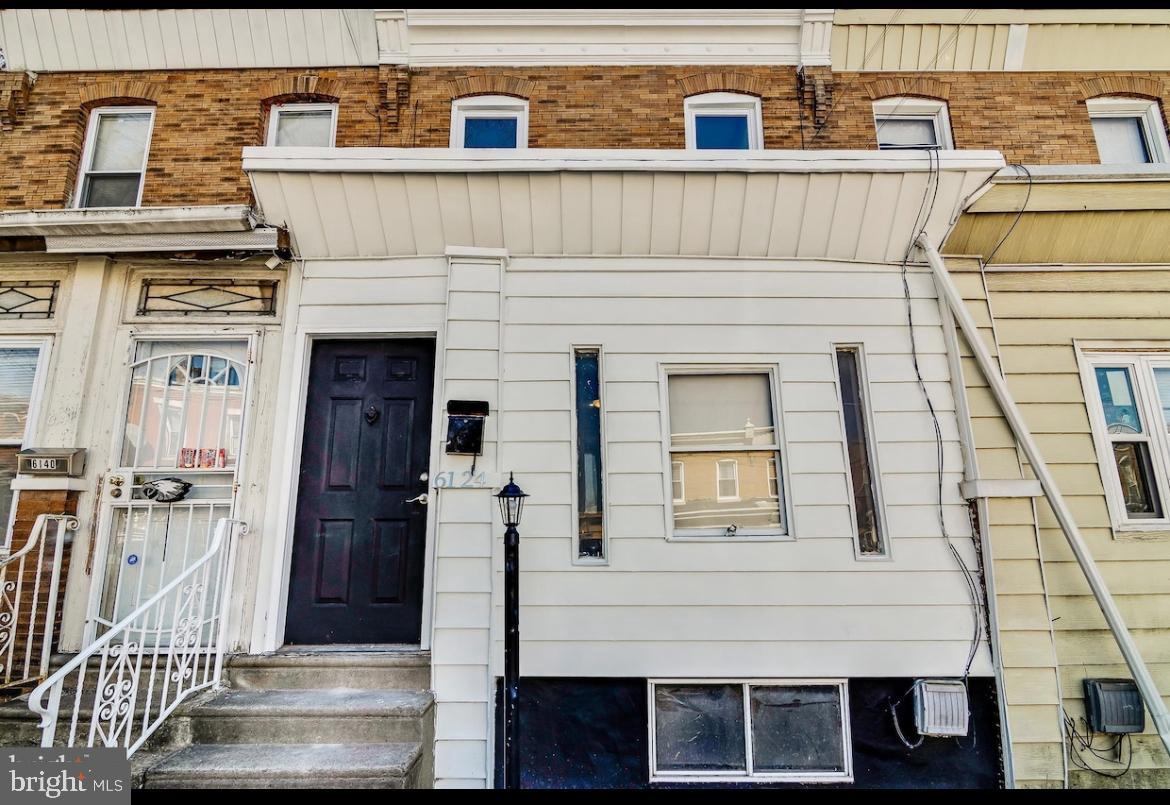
940,707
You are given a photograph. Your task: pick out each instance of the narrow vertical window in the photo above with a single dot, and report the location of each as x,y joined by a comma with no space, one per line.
590,511
861,468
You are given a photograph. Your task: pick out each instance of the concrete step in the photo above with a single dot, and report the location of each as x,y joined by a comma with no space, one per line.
385,765
324,668
340,715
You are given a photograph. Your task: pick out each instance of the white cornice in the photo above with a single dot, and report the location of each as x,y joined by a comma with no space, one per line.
446,160
129,220
429,37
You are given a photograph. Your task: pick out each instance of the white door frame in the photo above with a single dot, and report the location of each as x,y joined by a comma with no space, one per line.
271,609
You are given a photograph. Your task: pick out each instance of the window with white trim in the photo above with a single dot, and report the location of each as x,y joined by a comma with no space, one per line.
489,121
1130,411
907,123
1128,130
723,437
303,124
678,482
723,120
737,730
727,479
20,377
113,162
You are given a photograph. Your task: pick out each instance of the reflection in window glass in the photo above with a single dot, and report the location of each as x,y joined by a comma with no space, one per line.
1117,400
723,439
721,131
489,132
1137,479
699,728
678,482
797,728
860,461
590,512
186,405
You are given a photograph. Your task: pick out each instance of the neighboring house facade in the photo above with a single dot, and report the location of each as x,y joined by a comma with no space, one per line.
688,323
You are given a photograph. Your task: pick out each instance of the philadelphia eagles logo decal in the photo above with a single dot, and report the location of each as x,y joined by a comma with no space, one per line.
165,490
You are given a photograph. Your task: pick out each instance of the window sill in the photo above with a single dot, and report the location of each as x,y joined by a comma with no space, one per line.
766,779
776,537
1159,532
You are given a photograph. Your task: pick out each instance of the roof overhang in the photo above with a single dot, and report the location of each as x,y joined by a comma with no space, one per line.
143,229
1078,214
850,205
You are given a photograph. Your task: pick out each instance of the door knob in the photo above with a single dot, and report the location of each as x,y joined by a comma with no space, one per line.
372,415
421,499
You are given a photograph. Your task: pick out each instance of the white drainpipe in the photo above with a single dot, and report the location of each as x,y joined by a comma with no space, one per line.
1011,412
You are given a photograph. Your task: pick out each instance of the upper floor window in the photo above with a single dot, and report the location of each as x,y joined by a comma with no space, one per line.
1130,410
912,123
113,163
725,120
308,124
1128,130
489,121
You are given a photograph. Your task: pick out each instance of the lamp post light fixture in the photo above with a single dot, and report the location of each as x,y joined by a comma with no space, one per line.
511,499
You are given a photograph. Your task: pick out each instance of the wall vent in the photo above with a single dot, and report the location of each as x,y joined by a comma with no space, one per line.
940,707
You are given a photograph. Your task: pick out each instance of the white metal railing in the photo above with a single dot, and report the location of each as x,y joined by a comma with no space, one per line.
124,685
28,601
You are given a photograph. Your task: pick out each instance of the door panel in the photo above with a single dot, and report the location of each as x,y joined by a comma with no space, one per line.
359,546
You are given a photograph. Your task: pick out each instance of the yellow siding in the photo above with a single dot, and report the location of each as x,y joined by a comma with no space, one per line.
1038,314
1027,647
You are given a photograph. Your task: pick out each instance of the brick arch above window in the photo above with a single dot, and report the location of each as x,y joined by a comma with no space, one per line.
512,85
916,87
699,83
307,87
1129,85
112,93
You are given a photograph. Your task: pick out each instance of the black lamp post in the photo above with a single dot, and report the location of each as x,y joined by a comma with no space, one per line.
511,499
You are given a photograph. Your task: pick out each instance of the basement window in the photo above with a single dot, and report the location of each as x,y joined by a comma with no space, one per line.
1130,413
907,123
113,162
723,120
302,124
1128,130
728,731
724,453
489,121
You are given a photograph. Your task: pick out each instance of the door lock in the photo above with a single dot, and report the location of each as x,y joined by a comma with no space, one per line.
372,414
421,499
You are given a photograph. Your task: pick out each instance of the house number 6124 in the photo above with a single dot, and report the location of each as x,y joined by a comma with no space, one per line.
459,480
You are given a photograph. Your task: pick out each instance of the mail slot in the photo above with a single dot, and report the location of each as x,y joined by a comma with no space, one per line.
68,462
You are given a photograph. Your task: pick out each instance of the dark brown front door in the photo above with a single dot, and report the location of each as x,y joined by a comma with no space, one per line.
359,544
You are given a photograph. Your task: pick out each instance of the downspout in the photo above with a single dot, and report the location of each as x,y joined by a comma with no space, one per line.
1072,534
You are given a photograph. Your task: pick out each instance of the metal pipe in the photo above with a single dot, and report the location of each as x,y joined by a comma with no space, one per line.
511,657
1068,525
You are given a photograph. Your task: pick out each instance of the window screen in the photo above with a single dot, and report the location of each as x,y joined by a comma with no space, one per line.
1121,139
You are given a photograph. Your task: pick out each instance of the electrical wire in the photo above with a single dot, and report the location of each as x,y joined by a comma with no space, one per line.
926,207
1019,213
1084,742
898,725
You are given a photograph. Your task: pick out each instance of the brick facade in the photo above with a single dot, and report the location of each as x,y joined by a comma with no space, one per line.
204,118
29,506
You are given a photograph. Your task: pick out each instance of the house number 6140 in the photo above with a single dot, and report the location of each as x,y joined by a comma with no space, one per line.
460,480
